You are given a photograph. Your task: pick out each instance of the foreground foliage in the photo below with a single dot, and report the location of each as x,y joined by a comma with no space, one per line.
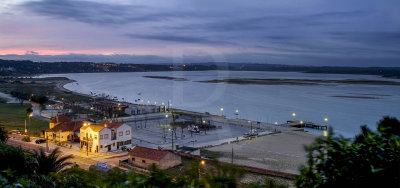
371,159
22,169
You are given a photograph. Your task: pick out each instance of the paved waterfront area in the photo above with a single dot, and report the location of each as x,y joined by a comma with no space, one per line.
150,134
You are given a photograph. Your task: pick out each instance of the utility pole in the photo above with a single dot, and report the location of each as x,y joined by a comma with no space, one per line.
232,155
87,145
172,137
47,143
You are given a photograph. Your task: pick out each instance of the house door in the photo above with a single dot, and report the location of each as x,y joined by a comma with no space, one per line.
109,147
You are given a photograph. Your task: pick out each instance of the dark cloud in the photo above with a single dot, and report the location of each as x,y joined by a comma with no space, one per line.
256,30
94,12
31,53
180,38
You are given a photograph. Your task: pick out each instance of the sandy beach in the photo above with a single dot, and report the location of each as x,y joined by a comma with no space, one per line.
282,152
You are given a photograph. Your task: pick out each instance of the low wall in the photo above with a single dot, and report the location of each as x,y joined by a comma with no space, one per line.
247,168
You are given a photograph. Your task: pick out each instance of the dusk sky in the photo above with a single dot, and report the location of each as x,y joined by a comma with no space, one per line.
311,32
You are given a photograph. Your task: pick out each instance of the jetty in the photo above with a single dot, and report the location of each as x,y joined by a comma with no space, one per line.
301,124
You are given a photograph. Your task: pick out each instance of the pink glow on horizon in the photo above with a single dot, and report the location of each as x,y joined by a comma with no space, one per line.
50,52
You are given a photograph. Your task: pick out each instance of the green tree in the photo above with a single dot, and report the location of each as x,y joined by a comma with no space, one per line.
52,162
372,159
3,135
222,175
15,161
115,178
78,177
389,126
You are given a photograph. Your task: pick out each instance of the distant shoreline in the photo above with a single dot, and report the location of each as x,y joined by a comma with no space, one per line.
26,67
307,82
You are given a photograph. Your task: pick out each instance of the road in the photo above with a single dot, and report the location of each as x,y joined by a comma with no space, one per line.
80,158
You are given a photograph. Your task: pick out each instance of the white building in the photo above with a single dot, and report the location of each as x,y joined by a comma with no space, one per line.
107,136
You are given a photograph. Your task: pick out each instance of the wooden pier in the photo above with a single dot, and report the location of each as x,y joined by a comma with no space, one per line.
301,124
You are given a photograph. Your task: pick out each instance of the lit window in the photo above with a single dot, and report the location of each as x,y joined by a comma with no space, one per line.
95,137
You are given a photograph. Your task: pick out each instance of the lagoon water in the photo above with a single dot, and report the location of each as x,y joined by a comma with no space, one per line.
268,103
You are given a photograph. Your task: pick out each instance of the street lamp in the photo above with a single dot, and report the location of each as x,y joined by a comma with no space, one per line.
326,119
29,117
294,115
202,163
222,111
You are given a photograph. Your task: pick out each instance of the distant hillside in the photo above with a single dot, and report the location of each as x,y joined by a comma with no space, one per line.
17,68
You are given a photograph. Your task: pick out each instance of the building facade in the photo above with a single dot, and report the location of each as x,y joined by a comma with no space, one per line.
146,157
104,137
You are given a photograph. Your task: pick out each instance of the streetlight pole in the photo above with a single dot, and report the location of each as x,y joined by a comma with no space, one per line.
30,115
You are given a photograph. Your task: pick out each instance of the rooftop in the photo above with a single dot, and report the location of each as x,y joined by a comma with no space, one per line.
67,126
148,153
59,119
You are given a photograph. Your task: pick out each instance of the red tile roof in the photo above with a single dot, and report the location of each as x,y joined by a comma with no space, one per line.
111,124
59,119
67,126
148,153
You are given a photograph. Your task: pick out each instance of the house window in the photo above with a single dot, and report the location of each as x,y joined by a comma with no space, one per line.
121,133
101,146
128,132
90,135
95,137
143,161
106,136
133,158
101,137
114,144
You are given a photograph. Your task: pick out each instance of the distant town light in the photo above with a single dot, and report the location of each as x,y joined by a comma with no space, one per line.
276,123
237,111
204,121
222,109
301,122
166,115
326,119
294,114
203,162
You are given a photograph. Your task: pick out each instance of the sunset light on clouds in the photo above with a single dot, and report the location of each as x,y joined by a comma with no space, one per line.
358,32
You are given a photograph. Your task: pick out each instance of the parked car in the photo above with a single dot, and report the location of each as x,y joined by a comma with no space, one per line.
14,132
40,140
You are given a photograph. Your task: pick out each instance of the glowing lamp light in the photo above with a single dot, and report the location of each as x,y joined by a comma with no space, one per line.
222,109
294,114
203,162
166,115
325,133
301,122
326,119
